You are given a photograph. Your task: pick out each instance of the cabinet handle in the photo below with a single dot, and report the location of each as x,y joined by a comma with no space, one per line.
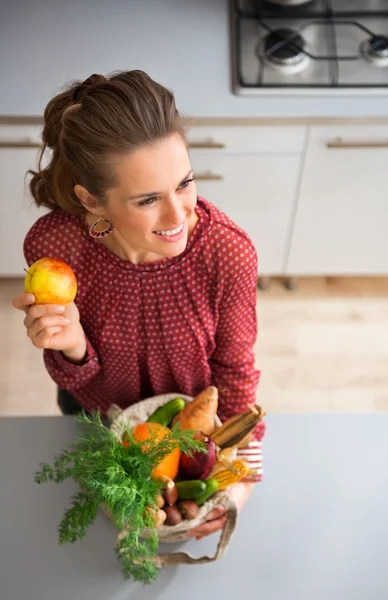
209,143
19,144
340,143
207,176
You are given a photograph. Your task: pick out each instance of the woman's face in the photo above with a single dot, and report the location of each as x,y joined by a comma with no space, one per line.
153,206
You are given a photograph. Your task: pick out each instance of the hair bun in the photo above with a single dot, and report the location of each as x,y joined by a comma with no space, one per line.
83,87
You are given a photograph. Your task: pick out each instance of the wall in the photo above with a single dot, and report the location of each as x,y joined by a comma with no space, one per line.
184,44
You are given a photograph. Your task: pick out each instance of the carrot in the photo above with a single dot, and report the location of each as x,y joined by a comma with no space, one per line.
199,414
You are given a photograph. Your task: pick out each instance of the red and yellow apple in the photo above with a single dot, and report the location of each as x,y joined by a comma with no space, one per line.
51,281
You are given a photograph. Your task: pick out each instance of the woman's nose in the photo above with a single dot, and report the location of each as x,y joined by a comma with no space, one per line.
175,213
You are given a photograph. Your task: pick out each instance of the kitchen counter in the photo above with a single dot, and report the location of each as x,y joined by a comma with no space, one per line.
315,528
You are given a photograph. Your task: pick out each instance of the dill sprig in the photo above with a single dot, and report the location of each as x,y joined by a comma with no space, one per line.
119,478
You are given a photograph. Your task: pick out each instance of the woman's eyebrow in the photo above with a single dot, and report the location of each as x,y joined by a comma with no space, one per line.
149,194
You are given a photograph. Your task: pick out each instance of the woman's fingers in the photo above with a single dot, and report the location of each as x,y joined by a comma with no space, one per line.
44,338
42,321
217,512
23,301
35,311
37,326
207,528
215,520
45,310
52,326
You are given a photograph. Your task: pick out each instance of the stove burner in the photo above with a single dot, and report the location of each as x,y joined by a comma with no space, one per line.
283,49
288,2
375,49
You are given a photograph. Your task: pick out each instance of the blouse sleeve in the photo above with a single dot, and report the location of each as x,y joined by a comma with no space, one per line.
233,361
68,376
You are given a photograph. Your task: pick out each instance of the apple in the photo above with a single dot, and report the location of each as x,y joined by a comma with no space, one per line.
51,281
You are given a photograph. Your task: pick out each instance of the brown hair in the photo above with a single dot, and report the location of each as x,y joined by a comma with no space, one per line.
89,123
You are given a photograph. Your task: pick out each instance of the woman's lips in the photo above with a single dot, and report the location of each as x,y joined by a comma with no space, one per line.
171,235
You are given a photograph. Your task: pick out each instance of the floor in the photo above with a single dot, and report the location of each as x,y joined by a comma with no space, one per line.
321,348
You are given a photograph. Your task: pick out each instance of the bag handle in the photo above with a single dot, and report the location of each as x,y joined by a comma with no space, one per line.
173,559
182,558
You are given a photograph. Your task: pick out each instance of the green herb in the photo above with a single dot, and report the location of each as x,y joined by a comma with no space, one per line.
120,479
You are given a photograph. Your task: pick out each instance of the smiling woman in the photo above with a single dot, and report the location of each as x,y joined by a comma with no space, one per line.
166,297
149,225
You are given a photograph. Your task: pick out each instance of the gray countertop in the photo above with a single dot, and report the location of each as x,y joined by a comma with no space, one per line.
316,528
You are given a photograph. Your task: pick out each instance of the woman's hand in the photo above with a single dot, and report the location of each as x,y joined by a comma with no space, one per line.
53,327
215,520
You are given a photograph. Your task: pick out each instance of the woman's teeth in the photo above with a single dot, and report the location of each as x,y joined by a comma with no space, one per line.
169,232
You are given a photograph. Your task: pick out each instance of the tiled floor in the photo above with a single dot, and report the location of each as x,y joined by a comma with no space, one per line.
321,348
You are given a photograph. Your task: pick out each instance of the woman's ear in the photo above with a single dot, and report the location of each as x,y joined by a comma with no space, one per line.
87,200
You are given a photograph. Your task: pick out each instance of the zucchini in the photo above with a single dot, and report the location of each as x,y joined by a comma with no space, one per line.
210,489
190,490
165,414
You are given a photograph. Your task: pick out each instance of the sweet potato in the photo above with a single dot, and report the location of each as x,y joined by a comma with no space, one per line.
199,414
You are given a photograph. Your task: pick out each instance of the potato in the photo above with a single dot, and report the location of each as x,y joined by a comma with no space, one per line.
173,515
170,494
188,509
157,514
160,501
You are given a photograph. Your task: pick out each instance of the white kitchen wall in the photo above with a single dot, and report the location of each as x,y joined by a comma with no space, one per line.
184,44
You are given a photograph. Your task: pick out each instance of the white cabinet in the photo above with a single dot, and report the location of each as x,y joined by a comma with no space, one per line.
248,139
342,212
17,212
258,192
251,173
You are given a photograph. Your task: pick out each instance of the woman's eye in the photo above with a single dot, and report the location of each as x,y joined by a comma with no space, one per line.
186,183
147,201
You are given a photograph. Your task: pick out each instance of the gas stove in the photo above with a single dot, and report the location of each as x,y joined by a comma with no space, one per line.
309,45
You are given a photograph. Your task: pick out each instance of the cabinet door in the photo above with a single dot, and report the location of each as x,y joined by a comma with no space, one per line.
258,193
248,139
17,212
342,213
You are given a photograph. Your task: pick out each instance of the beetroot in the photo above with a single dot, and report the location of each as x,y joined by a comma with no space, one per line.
200,464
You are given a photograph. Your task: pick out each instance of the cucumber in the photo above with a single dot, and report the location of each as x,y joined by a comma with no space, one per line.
210,489
190,490
165,414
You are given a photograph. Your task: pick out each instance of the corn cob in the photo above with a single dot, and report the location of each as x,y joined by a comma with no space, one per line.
236,430
226,477
223,462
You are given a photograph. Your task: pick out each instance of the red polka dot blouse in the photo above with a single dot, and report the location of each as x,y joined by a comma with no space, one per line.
176,325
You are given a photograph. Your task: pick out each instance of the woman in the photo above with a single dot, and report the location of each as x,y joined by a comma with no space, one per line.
166,296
